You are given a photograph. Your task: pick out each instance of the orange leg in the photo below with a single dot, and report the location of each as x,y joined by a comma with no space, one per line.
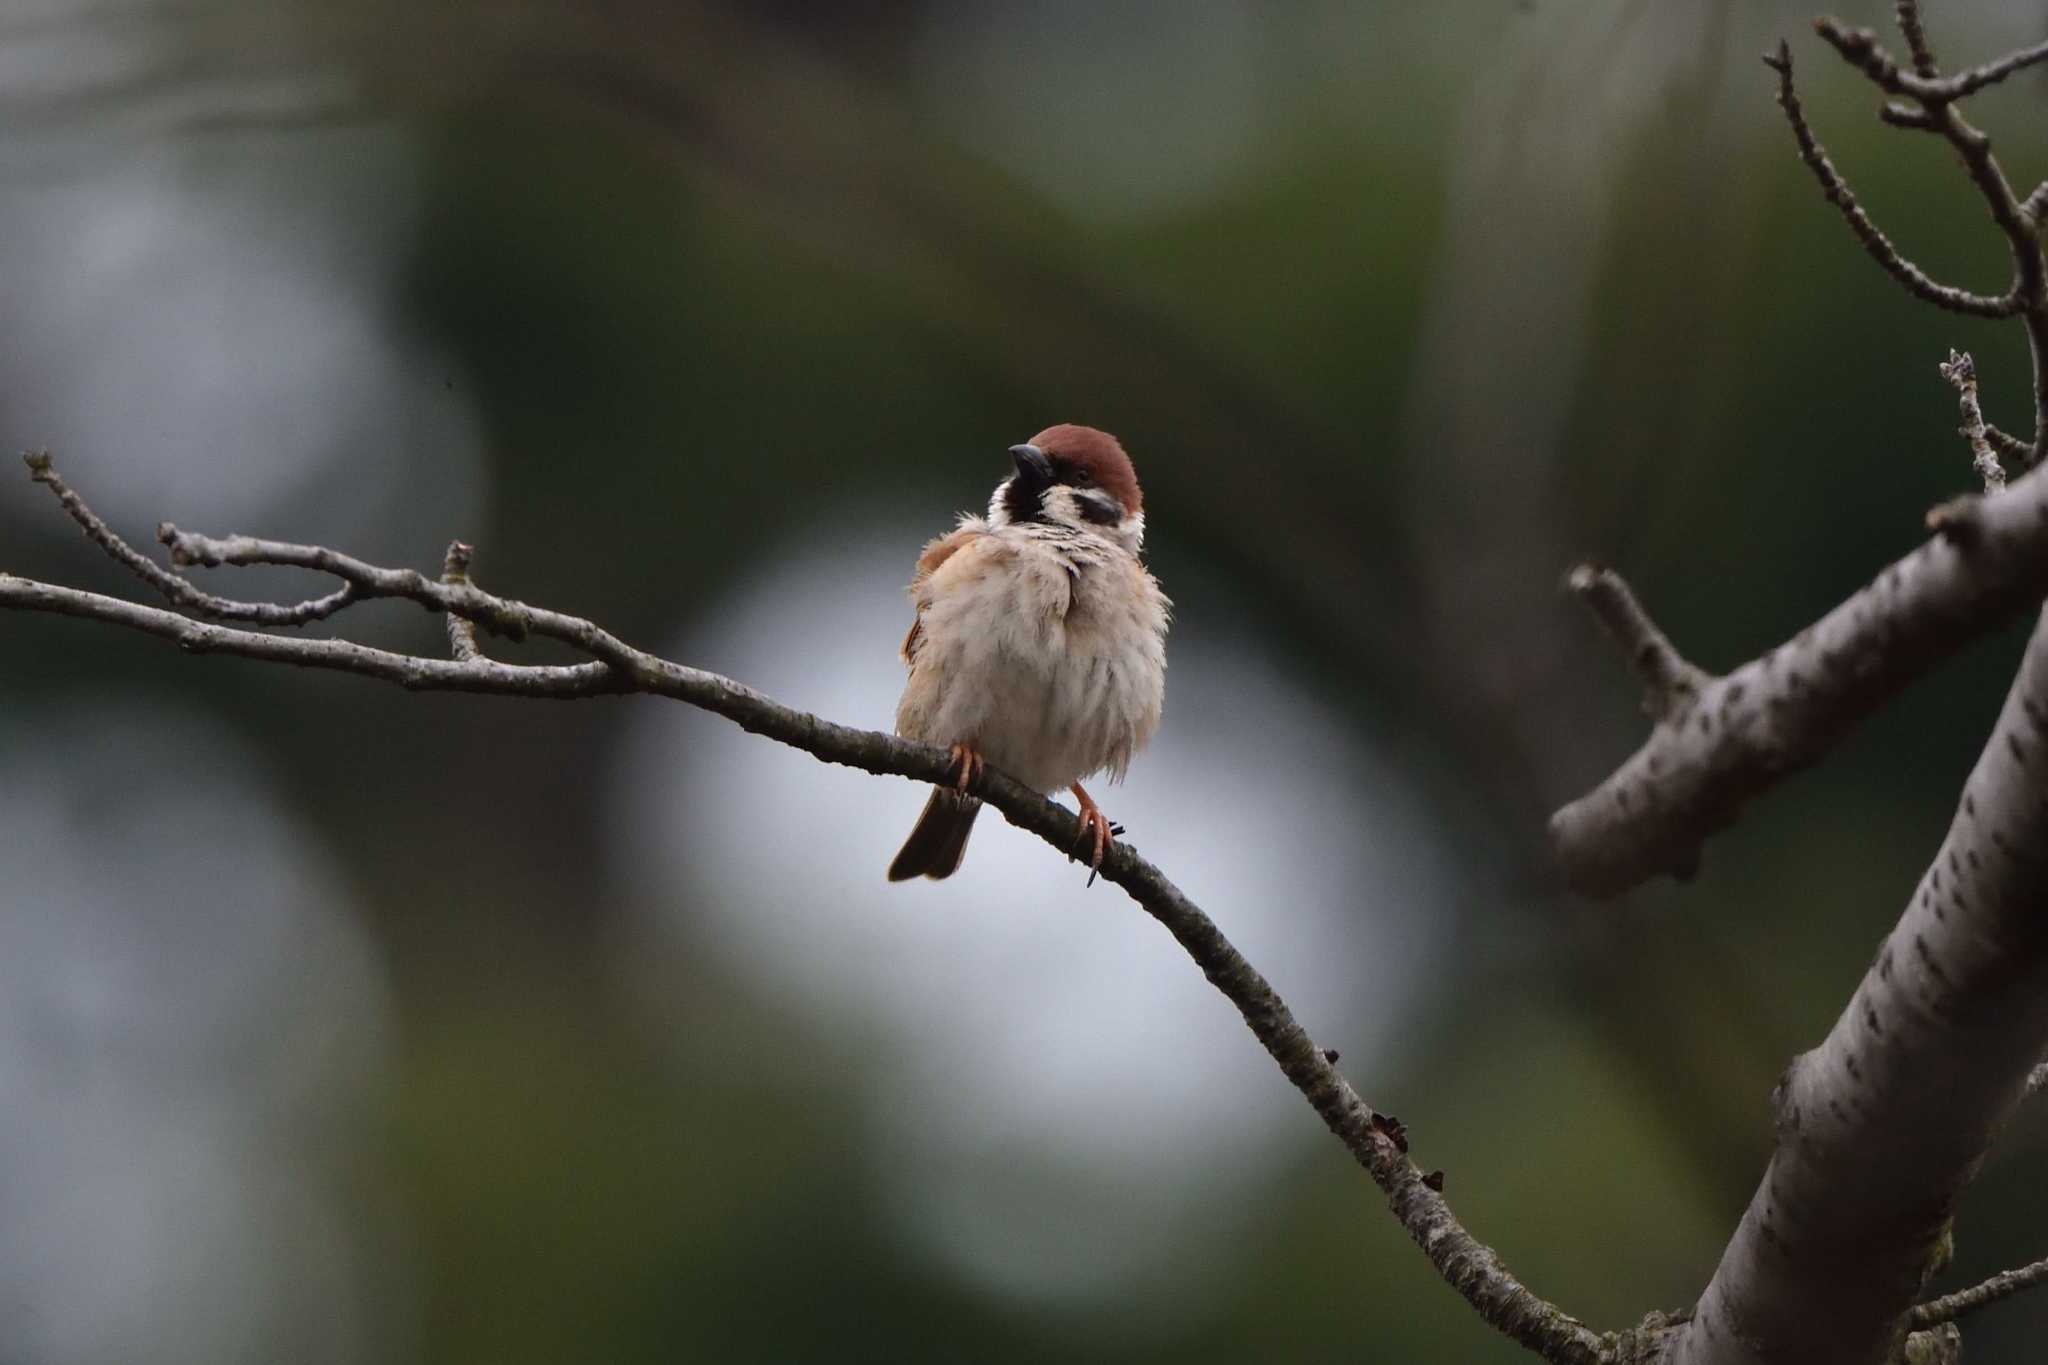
971,764
1095,829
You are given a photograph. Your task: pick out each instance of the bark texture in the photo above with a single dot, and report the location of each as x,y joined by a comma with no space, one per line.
1735,736
1882,1125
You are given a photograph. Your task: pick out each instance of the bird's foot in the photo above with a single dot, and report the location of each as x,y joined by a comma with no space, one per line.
1096,831
971,764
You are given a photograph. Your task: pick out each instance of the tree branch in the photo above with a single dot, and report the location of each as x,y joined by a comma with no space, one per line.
2003,1285
455,573
1908,13
1961,371
1776,714
1669,683
1376,1142
1882,1125
1745,731
1916,281
2019,224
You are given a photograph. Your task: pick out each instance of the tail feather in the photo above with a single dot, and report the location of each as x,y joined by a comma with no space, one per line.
939,840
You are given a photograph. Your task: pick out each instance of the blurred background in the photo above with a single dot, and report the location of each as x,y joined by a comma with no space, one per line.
343,1025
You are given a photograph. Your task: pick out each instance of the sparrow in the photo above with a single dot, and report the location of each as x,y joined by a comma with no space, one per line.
1040,642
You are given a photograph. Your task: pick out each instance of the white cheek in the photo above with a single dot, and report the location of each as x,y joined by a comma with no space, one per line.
1062,506
998,514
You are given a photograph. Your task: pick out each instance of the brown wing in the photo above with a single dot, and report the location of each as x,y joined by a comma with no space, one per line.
935,554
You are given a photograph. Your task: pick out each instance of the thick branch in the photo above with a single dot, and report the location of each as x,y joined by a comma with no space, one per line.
1880,1127
1378,1144
1745,731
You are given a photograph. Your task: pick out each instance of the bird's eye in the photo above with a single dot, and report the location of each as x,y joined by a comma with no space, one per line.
1082,477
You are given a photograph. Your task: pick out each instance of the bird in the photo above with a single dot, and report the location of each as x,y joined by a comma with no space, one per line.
1039,644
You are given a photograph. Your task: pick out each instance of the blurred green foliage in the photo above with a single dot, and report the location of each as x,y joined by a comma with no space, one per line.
713,280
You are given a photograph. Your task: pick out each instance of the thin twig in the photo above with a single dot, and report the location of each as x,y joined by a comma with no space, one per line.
2010,446
1908,12
2003,1285
1469,1266
1879,246
1990,73
2018,222
1669,682
455,573
1961,371
1860,46
180,591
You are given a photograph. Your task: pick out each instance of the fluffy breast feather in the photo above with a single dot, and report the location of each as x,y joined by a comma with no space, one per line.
1044,648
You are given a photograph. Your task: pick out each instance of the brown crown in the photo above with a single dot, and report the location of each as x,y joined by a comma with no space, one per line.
1100,454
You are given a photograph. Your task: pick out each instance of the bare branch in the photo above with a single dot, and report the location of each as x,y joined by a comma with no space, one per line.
1883,1124
1859,47
1374,1141
1879,246
1990,73
1741,733
1908,12
500,616
1961,371
181,591
1669,682
2010,446
1747,730
2020,223
455,573
2037,1081
2003,1285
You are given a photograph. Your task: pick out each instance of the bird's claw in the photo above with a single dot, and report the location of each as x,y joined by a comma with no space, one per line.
1096,830
970,763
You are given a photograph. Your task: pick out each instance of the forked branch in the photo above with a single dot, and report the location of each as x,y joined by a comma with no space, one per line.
1738,735
1378,1144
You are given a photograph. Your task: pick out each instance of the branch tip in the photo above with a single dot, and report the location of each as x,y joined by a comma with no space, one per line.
38,462
1961,371
2003,1285
1669,682
1907,12
461,630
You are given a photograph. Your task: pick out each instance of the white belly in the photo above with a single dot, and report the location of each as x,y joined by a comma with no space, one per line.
1053,669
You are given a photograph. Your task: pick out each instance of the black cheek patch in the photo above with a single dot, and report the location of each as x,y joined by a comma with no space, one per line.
1098,508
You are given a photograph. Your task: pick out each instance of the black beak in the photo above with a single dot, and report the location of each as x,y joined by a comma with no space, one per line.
1032,466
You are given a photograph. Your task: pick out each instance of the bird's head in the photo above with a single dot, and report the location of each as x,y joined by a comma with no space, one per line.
1075,476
